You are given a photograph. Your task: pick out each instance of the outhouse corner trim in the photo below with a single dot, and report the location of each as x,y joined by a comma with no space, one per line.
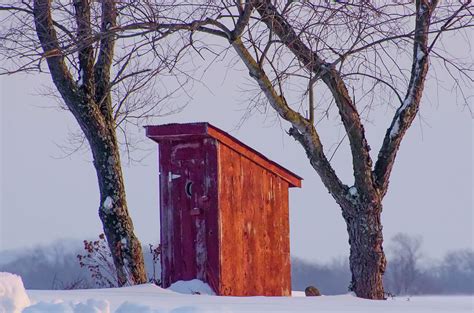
179,131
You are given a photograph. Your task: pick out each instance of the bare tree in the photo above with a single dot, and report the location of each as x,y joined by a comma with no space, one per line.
456,272
312,58
403,267
309,59
99,85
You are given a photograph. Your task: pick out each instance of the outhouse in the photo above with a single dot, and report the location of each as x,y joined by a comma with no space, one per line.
223,212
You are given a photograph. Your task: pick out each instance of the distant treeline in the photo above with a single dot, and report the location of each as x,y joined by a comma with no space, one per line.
452,275
406,274
56,267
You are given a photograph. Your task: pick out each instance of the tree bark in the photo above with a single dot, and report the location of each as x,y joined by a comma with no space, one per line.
92,110
361,209
118,227
367,258
361,204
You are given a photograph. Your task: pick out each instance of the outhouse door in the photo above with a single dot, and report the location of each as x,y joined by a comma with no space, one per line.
188,197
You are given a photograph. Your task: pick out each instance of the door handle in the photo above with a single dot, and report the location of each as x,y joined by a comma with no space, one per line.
172,176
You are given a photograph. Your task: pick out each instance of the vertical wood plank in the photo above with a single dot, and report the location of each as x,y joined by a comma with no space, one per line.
232,262
285,239
249,246
211,214
167,231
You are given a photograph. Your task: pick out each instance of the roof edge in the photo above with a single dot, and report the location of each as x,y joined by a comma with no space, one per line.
177,131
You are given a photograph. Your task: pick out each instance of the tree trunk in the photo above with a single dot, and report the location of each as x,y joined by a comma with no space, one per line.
361,211
367,259
118,227
89,100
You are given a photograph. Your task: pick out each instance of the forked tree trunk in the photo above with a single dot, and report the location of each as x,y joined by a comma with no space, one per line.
89,100
113,211
361,211
367,258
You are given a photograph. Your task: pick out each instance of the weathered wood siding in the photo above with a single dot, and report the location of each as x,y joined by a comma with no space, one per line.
253,228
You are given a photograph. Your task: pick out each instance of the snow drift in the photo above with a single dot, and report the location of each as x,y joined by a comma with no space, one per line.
13,297
149,298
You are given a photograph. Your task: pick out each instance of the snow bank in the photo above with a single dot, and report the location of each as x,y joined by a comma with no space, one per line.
43,307
298,293
13,297
192,287
130,307
149,298
89,306
92,306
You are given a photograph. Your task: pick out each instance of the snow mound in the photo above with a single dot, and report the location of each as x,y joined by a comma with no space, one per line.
13,297
129,307
192,287
92,306
89,306
152,299
297,293
43,307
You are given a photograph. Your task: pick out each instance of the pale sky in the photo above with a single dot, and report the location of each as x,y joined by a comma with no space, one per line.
44,197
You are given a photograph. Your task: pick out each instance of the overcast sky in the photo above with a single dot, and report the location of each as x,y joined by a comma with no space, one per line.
45,196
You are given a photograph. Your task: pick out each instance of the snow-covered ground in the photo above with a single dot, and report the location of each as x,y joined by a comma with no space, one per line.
152,299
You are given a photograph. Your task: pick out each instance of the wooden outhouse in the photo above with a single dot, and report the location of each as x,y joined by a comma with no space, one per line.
224,212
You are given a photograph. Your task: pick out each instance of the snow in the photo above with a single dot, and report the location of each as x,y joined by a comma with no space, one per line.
128,307
411,93
89,306
419,55
56,307
152,299
395,128
81,77
298,293
108,203
13,297
191,287
149,298
353,191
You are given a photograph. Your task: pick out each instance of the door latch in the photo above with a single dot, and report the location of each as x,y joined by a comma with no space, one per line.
172,176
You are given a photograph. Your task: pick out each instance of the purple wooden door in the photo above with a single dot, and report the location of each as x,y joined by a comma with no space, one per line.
185,216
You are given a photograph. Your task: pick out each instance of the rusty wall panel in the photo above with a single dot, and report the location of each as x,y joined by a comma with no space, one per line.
254,229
